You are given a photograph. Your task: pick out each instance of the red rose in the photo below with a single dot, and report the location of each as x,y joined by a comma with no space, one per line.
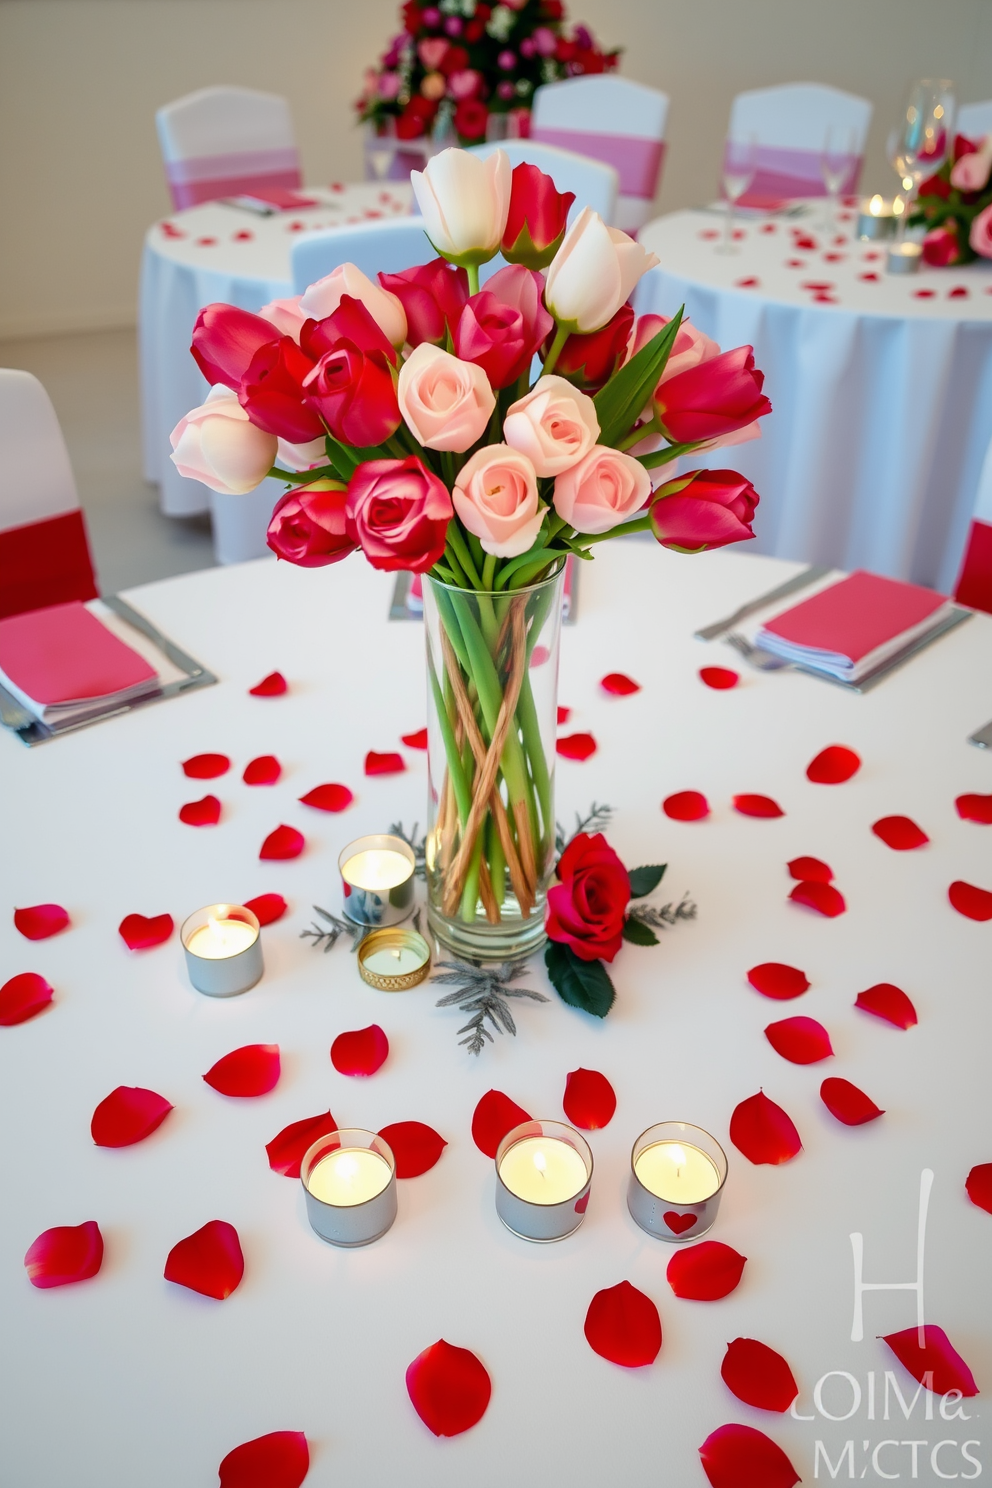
471,118
705,509
940,246
309,527
413,121
271,392
714,398
399,511
354,393
535,221
502,327
455,59
432,295
587,908
351,321
224,341
591,360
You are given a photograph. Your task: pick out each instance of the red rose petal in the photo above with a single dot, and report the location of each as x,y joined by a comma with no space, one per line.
800,1040
848,1103
818,286
65,1254
686,806
900,833
619,684
141,932
274,685
493,1117
888,1002
284,842
810,869
253,1069
417,740
267,908
383,764
623,1325
279,1460
449,1388
763,1131
128,1115
40,921
328,797
564,714
975,808
361,1051
968,900
415,1146
576,746
978,1186
705,1272
937,1359
23,997
286,1150
206,766
719,678
202,813
757,806
758,1375
209,1261
589,1100
262,771
736,1456
833,765
822,897
775,979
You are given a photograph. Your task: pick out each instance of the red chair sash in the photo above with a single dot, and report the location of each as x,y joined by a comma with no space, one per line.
975,582
637,161
45,563
208,177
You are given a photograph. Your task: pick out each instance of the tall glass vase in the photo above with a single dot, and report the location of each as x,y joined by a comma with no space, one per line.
492,663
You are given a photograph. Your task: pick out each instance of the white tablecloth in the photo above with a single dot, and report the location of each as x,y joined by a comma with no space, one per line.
216,252
126,1379
882,390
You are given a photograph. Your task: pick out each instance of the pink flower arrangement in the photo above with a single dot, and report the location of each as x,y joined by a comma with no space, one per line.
955,205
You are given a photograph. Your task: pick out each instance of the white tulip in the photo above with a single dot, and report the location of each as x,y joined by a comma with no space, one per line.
219,445
324,297
464,201
593,273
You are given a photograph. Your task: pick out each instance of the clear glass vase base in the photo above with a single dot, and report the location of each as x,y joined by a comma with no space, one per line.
513,939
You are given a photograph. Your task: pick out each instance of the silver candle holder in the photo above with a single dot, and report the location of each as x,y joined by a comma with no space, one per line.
377,879
223,949
905,257
543,1177
677,1174
349,1178
877,219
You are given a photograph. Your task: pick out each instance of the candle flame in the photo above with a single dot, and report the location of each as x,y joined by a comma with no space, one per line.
347,1167
540,1163
678,1157
875,205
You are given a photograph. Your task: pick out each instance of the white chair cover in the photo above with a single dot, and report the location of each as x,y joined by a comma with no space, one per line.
374,247
225,141
789,127
595,184
36,479
975,119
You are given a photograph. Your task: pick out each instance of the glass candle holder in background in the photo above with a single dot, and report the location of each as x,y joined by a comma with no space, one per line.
349,1178
677,1174
543,1176
836,159
223,949
377,879
380,146
740,164
919,145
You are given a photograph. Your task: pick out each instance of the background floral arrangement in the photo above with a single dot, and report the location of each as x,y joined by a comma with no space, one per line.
956,206
456,62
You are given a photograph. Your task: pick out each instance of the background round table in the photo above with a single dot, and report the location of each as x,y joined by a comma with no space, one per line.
881,385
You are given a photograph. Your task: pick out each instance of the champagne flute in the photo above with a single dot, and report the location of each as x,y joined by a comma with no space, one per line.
380,146
839,145
920,143
740,163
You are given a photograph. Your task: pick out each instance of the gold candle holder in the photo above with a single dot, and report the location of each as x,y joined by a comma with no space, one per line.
394,960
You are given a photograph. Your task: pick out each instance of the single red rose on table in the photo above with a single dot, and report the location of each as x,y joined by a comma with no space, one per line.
309,525
354,393
588,906
535,221
592,359
224,341
704,509
272,394
433,296
715,397
502,327
399,512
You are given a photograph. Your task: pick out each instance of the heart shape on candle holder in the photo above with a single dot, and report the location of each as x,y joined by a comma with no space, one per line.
758,1375
284,842
719,678
141,932
975,808
889,1002
978,1186
705,1272
64,1255
265,770
619,684
900,833
127,1115
202,813
417,740
833,765
849,1104
824,898
328,797
252,1070
969,900
686,806
735,1456
799,1040
937,1366
751,805
206,766
775,979
40,921
576,746
384,764
267,908
361,1051
415,1146
449,1388
589,1100
286,1150
679,1224
209,1261
280,1459
623,1325
274,685
810,870
24,996
493,1117
763,1132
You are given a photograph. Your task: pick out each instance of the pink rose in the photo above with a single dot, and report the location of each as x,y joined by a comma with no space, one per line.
399,511
324,297
971,172
218,445
554,425
980,236
309,526
446,403
388,85
285,315
465,83
496,498
602,490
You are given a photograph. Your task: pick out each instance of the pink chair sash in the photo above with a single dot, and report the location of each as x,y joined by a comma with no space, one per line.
783,173
637,161
45,563
207,177
975,582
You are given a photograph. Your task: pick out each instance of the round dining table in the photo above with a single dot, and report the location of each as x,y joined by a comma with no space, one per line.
127,1378
881,383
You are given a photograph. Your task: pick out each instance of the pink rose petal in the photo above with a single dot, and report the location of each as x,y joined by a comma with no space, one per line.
328,797
889,1002
623,1325
141,932
24,996
202,813
449,1388
800,1040
209,1261
736,1456
849,1104
900,833
40,921
758,1375
719,678
206,766
274,685
252,1070
127,1115
823,897
383,764
749,805
763,1131
576,746
619,684
705,1272
281,1459
65,1254
265,770
284,842
686,806
361,1051
267,908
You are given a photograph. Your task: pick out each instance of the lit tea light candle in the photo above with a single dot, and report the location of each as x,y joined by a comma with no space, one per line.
394,960
543,1175
904,257
377,879
223,949
877,218
349,1178
676,1179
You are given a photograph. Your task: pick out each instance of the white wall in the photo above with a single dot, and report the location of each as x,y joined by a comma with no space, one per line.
80,177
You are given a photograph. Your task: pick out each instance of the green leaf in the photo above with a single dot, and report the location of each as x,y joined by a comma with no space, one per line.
344,460
582,984
643,880
622,401
638,933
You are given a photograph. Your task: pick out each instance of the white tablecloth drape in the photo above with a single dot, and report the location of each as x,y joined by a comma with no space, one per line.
881,385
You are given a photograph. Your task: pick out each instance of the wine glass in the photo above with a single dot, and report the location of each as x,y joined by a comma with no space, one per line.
380,146
740,163
839,145
925,134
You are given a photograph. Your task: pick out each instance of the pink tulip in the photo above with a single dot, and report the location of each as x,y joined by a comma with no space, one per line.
702,510
432,295
285,315
603,490
713,398
496,498
224,341
218,445
324,297
691,346
971,172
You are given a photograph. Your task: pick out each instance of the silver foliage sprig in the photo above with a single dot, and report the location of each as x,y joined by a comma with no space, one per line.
597,820
483,991
329,938
418,847
663,917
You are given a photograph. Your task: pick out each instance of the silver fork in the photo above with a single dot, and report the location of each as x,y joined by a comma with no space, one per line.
762,661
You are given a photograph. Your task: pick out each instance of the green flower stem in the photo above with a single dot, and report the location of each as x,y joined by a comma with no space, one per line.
497,861
470,893
452,629
642,524
472,270
306,477
483,671
641,432
551,360
463,797
525,560
461,578
478,556
460,547
488,570
530,728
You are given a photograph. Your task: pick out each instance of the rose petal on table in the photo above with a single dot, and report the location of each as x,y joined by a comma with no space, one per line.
619,684
267,908
328,797
775,979
265,770
758,1375
975,808
900,833
206,766
576,746
589,1100
624,1326
809,869
978,1186
415,1146
493,1117
202,813
833,765
969,900
209,1261
749,805
719,678
735,1456
539,656
416,740
127,1115
686,806
705,1272
40,921
799,1040
938,1359
818,286
564,714
24,996
750,282
924,294
383,764
849,1104
281,1459
284,842
65,1254
286,1150
254,1069
823,897
360,1051
141,932
889,1002
763,1131
274,685
449,1388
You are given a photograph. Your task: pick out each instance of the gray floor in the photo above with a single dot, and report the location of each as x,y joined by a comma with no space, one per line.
92,379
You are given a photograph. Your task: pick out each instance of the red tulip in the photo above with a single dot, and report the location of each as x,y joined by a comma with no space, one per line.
224,341
351,321
354,393
271,392
712,399
432,296
501,328
308,526
591,360
704,509
535,222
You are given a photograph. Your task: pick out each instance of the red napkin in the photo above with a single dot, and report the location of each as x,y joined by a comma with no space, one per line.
280,197
63,655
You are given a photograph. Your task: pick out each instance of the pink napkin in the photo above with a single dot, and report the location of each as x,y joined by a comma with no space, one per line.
281,197
63,654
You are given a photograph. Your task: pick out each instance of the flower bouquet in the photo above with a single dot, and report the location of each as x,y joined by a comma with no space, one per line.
409,424
955,206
